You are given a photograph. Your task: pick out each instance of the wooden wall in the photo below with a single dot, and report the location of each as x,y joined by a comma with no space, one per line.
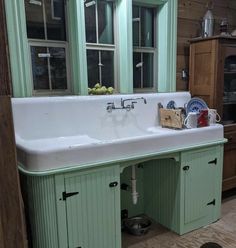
12,228
190,14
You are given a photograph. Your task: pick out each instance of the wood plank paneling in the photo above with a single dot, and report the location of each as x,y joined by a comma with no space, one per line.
12,228
5,88
10,208
190,14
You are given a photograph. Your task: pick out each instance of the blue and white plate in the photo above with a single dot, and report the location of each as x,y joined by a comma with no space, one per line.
196,105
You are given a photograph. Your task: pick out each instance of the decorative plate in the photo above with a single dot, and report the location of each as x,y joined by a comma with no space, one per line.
196,105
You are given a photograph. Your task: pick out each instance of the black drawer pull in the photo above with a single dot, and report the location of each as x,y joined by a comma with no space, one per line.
213,161
212,203
185,168
113,184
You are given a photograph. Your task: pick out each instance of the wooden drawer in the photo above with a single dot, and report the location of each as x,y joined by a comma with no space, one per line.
231,136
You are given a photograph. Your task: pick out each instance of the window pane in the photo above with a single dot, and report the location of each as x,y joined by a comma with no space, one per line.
147,70
136,24
93,68
90,21
105,22
55,19
147,27
39,57
137,69
34,19
58,68
107,66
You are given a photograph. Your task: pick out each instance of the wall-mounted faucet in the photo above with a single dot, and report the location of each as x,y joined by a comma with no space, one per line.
133,100
111,106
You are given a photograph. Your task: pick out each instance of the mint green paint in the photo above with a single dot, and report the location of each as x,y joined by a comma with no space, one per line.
200,185
61,210
18,48
174,197
42,211
77,41
125,46
93,215
177,198
166,44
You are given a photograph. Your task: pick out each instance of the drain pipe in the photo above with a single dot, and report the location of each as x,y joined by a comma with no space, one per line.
133,185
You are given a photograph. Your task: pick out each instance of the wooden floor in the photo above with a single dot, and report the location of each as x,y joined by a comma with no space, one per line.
222,232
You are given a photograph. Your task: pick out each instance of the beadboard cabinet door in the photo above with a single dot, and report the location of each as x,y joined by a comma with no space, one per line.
202,170
93,208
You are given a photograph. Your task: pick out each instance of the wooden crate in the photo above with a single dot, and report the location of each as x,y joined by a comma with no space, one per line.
171,118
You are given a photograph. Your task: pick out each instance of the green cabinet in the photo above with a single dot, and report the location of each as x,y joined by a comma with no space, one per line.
81,209
93,208
201,173
184,194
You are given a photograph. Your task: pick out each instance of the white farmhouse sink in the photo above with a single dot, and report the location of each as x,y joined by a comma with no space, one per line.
58,132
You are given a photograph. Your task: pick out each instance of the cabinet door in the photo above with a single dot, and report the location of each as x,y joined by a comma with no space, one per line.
201,193
93,209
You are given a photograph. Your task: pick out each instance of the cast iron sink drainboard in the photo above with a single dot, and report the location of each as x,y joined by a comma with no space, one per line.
211,245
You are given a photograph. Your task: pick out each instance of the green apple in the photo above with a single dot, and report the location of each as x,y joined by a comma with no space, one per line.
89,91
93,91
104,89
99,91
97,86
110,90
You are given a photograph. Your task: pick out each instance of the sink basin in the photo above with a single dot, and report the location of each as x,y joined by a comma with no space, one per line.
53,133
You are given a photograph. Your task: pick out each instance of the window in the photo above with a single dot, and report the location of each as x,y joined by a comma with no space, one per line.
143,47
100,42
46,33
101,46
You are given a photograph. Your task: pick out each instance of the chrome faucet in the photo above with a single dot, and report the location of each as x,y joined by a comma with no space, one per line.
111,106
133,101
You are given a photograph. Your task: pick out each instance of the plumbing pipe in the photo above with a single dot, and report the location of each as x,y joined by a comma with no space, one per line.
134,193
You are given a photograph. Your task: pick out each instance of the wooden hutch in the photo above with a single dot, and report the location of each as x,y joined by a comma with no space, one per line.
213,78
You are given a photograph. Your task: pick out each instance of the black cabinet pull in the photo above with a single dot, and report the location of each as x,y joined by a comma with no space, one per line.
185,168
113,184
213,161
212,202
66,195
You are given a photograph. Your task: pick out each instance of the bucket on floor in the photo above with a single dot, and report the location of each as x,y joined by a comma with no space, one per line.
137,225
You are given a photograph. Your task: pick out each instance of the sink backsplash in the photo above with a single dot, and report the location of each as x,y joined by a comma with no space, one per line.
47,117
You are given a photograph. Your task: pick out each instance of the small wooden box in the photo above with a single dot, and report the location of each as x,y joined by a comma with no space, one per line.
172,118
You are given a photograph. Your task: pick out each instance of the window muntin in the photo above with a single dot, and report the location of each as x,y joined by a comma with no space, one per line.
40,21
48,67
99,21
100,42
100,67
143,47
48,47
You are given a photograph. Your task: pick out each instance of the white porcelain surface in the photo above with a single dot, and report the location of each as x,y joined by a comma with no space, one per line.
56,132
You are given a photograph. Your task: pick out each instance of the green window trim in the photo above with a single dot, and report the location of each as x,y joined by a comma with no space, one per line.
166,46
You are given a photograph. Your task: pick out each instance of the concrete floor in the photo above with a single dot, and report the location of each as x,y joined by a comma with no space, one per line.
222,232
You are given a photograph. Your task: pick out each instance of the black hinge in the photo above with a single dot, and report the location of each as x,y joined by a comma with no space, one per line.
213,161
212,202
66,195
185,168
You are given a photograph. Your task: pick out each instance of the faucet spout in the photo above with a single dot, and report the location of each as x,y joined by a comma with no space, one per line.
132,99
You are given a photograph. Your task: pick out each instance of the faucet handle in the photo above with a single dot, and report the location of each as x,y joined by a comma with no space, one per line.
132,104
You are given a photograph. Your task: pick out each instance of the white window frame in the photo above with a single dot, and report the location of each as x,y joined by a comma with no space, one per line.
51,44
